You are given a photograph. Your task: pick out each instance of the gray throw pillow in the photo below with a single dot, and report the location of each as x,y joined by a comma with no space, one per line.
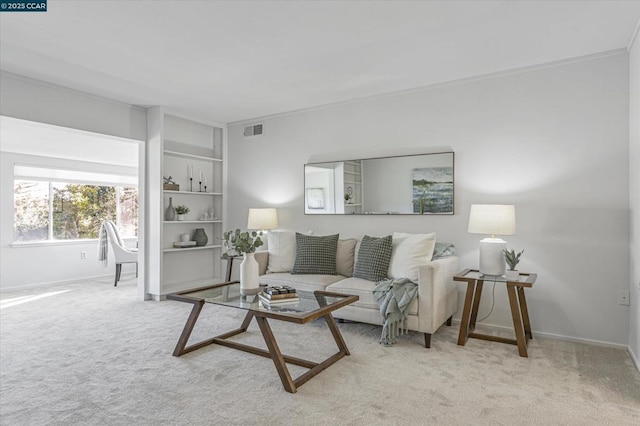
373,258
315,255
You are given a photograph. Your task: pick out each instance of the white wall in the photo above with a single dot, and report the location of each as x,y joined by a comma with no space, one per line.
32,100
634,197
553,141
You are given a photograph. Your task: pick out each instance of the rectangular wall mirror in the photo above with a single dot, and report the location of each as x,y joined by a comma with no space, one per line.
407,184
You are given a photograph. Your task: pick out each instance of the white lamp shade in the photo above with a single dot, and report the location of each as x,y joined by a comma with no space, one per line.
492,219
262,219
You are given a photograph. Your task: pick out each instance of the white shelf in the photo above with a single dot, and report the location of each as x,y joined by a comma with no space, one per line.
192,156
177,222
346,172
166,191
208,247
353,205
352,183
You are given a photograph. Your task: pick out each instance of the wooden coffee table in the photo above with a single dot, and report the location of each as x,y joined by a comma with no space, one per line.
311,306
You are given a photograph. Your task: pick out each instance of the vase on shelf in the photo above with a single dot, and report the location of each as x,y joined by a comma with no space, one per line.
181,216
249,282
200,237
170,213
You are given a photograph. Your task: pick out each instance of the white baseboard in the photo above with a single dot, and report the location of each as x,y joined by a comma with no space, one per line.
634,358
556,336
62,282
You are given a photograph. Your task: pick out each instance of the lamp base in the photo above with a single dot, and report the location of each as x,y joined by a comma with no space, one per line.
491,258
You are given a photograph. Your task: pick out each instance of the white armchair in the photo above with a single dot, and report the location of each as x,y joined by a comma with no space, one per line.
121,253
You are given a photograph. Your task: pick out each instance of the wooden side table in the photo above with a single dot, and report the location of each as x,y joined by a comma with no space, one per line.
515,289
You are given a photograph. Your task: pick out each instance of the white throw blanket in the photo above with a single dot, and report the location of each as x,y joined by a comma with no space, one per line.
103,245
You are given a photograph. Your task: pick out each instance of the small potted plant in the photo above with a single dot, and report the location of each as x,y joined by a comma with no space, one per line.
181,211
512,258
238,242
347,198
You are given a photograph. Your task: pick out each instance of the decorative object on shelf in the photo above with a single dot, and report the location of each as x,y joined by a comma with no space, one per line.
170,212
182,211
200,237
492,219
236,243
200,182
512,258
348,196
184,244
207,214
185,237
190,175
169,184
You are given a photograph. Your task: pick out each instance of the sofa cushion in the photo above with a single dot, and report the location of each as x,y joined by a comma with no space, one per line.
345,257
282,251
364,290
410,251
315,255
300,282
373,258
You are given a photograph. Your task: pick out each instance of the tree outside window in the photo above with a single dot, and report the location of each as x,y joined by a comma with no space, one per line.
70,211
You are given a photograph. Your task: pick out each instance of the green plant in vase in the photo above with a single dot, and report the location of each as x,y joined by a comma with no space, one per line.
181,211
238,242
512,258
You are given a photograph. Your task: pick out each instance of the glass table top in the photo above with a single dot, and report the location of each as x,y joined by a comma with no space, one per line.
524,278
229,295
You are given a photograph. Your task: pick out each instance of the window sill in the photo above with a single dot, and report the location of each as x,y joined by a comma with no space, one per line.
51,243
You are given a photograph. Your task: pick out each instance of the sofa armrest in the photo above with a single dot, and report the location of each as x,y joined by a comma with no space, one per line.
262,257
437,293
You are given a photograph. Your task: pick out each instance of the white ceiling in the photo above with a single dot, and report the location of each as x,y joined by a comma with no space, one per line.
233,61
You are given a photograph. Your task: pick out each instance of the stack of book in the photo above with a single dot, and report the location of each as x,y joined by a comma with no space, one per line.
278,295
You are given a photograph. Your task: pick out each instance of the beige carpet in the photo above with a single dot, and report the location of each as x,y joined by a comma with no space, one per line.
93,355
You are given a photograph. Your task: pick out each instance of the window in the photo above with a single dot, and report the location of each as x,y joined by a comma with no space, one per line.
58,210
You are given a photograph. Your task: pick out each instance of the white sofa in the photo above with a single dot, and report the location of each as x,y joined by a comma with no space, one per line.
434,306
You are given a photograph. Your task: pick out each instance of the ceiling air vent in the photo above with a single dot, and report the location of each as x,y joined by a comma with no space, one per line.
255,130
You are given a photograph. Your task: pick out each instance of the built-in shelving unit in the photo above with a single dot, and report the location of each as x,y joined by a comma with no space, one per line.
353,186
192,152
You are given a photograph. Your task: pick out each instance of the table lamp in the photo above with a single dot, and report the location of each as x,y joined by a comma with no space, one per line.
262,219
492,219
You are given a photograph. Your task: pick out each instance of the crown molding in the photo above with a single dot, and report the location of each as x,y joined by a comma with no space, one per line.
513,71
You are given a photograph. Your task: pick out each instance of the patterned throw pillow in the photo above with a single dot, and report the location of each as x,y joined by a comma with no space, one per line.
373,258
315,255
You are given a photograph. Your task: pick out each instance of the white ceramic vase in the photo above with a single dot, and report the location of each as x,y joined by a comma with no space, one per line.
512,275
249,283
